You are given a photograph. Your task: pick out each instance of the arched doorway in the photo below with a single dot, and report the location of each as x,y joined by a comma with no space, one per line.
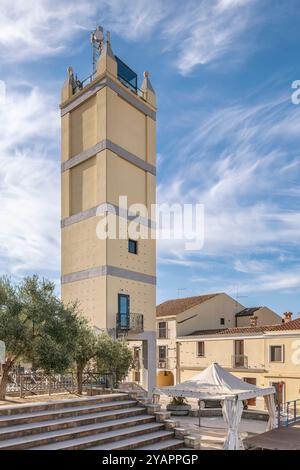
165,378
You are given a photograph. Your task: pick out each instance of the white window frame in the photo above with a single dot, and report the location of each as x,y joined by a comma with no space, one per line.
282,353
197,349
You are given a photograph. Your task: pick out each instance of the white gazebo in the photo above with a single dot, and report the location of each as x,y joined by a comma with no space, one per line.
215,383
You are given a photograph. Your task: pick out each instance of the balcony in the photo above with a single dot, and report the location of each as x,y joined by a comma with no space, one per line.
132,323
239,361
163,364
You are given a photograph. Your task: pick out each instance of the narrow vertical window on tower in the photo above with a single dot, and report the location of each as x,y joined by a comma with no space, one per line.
132,246
123,311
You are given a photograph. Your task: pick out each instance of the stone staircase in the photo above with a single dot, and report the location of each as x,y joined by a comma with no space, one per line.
107,422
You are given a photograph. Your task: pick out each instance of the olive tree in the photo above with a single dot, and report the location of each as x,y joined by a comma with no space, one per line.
114,357
84,349
35,326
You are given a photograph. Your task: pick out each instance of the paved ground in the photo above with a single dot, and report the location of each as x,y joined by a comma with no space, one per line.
213,429
247,425
284,438
37,398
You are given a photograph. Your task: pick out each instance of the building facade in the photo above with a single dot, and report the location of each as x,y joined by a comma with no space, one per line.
261,355
211,312
108,155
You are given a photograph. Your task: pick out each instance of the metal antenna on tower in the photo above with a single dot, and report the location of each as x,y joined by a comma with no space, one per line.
97,41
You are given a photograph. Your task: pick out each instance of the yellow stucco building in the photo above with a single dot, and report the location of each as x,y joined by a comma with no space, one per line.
108,151
209,312
262,355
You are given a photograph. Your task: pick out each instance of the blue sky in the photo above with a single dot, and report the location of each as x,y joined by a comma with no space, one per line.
228,134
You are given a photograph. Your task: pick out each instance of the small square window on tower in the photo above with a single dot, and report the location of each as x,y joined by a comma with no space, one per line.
132,246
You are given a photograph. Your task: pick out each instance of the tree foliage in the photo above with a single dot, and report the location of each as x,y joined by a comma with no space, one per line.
113,356
84,349
35,326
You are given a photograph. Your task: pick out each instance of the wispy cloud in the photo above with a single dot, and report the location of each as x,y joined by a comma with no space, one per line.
44,27
198,31
29,183
246,174
206,30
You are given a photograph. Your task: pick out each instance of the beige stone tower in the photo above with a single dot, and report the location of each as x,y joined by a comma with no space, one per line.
108,151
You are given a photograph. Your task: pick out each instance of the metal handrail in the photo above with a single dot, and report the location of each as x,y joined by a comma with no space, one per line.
288,412
35,383
163,363
239,361
80,84
134,323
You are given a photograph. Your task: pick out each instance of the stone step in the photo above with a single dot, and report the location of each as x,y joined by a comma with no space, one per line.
106,440
30,428
97,431
8,410
137,441
168,444
45,415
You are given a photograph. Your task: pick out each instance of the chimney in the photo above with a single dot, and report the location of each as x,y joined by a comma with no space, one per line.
287,317
253,320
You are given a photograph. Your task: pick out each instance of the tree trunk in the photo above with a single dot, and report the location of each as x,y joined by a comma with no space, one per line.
4,379
79,379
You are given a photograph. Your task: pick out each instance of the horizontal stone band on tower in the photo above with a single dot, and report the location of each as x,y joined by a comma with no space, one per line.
107,207
108,271
126,95
108,145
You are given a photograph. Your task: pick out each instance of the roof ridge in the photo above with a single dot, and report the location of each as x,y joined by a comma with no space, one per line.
291,325
176,306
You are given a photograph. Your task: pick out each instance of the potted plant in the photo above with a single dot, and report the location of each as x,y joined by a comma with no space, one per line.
179,406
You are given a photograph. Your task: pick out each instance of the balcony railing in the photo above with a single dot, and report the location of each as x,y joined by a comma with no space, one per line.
163,333
133,323
288,413
239,361
163,364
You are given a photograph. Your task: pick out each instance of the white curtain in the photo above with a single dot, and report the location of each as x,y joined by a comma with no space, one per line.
232,414
271,407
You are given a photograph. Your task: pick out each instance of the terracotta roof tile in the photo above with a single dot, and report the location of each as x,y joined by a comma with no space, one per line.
176,306
246,330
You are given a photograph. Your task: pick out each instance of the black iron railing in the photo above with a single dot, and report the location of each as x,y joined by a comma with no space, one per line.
132,323
288,412
37,383
240,361
163,364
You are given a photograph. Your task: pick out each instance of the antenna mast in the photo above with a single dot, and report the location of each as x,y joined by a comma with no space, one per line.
97,41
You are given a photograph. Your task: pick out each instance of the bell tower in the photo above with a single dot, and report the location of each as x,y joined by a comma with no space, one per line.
108,154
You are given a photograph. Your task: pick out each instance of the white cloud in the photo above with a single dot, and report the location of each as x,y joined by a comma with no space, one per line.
251,266
200,31
29,183
232,164
204,31
43,27
285,280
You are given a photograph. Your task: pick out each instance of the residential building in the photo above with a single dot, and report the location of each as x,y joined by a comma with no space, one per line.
258,316
180,317
108,152
261,355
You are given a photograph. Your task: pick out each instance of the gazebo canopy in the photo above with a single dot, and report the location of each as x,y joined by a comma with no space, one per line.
215,383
